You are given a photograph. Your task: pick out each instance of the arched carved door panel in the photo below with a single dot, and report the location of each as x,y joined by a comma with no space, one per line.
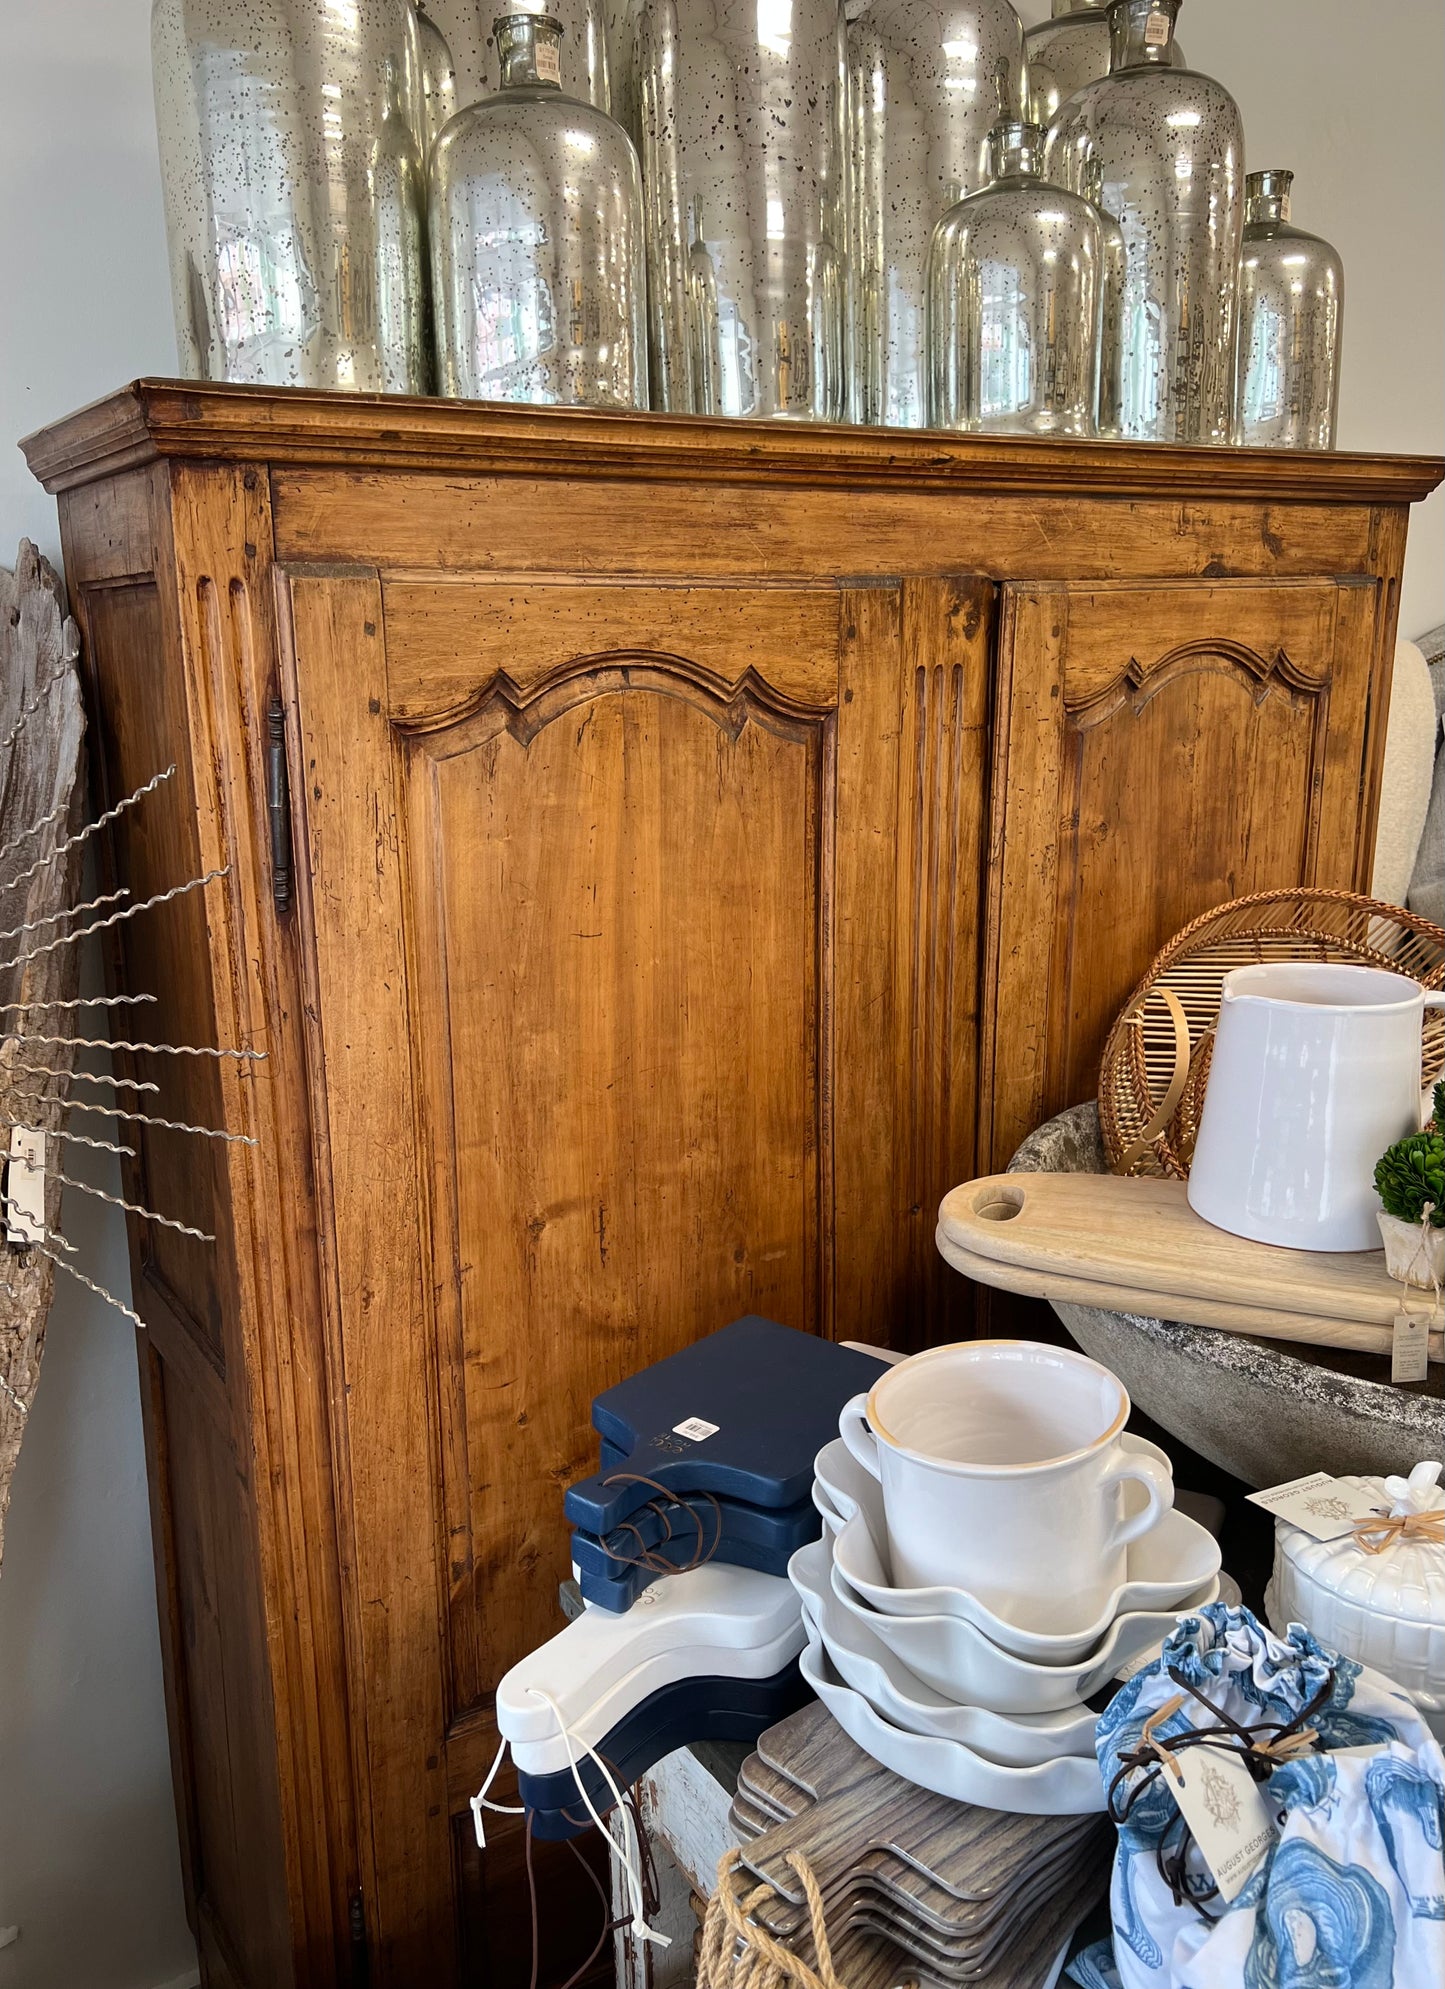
658,907
1162,748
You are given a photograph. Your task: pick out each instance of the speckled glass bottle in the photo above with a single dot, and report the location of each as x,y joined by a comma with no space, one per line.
1291,310
1069,51
740,106
1013,302
537,243
294,195
467,28
927,80
1169,144
434,88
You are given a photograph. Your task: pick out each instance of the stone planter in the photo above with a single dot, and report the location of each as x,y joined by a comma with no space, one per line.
1414,1255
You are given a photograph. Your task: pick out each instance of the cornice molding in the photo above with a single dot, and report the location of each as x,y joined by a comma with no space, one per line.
154,420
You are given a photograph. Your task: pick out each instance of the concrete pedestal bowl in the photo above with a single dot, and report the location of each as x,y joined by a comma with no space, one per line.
1264,1410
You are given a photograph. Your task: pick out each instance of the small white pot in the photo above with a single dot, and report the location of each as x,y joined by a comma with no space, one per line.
1414,1256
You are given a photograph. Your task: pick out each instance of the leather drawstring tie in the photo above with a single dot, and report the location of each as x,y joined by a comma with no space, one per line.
1262,1747
648,1557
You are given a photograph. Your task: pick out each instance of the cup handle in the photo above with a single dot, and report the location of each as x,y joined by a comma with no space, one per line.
1160,1483
861,1443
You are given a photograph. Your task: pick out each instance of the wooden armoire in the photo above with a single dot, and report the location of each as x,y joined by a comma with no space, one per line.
657,858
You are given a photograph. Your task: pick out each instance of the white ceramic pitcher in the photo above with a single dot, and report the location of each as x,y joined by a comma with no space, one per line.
1315,1071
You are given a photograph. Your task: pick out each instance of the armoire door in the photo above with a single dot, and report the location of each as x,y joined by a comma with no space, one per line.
642,919
1161,748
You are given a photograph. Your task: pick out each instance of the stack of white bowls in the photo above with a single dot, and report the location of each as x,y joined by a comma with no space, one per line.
996,1549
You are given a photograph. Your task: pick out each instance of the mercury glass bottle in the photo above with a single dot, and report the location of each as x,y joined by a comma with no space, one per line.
434,87
927,80
740,105
1112,267
1069,51
537,240
1291,309
293,192
1014,301
1169,145
467,28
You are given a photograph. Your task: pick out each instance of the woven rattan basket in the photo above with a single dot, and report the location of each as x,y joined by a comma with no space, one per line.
1156,1061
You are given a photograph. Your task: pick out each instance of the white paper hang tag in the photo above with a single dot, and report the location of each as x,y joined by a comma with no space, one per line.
1410,1347
1319,1505
25,1187
1226,1810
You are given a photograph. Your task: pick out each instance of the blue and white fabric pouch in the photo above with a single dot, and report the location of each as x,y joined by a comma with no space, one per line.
1350,1893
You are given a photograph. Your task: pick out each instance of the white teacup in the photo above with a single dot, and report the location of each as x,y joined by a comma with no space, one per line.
1002,1474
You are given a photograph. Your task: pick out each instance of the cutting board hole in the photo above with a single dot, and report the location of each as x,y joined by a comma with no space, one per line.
999,1204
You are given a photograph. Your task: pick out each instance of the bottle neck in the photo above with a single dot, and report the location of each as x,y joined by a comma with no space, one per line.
529,52
1016,151
1266,196
1140,32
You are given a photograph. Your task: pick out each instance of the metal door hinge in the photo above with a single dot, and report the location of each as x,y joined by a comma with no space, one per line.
360,1951
278,805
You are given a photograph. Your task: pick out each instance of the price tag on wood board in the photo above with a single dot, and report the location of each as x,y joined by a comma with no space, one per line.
1410,1347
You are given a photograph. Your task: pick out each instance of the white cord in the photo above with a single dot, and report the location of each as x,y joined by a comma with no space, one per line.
479,1800
631,1855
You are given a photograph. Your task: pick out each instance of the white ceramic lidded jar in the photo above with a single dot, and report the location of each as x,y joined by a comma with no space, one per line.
1384,1609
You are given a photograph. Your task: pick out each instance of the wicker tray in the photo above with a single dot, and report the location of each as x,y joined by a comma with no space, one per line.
1156,1061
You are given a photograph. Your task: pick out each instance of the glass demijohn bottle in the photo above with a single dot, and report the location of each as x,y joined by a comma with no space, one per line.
466,27
1291,308
1168,146
1014,298
537,243
739,104
294,192
1069,51
927,80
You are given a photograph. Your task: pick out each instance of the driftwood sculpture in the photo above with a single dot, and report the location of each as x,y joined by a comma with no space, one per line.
43,1020
42,731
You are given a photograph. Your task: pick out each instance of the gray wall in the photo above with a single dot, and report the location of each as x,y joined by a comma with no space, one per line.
1348,96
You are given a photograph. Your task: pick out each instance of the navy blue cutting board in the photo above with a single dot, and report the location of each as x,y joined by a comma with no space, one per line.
777,1530
743,1412
620,1588
680,1715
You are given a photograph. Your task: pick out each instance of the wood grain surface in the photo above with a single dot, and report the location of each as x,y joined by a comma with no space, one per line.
713,842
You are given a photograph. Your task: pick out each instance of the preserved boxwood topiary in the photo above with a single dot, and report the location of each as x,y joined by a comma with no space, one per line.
1411,1173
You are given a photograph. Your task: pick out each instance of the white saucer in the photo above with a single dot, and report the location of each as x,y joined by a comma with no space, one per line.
961,1663
1171,1561
866,1664
1069,1786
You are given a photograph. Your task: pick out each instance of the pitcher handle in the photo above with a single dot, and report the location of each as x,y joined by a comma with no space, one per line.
861,1443
1159,1482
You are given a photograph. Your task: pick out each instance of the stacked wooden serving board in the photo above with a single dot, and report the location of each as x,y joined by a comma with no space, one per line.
913,1884
1131,1244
